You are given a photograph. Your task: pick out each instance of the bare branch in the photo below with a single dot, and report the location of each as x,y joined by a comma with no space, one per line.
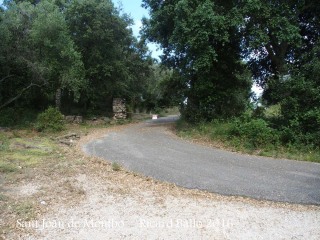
5,78
20,94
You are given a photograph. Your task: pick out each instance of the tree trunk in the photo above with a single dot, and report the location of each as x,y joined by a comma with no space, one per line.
58,98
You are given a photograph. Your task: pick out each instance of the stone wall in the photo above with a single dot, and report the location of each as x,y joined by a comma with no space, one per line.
119,108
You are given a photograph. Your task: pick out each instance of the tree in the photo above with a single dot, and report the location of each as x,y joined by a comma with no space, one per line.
161,91
201,42
275,35
38,51
300,109
16,59
56,51
116,63
139,63
103,38
77,50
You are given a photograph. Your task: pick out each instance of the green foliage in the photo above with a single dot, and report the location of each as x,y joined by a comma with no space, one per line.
261,21
4,142
116,64
159,90
50,120
259,112
201,42
38,55
241,132
56,50
300,102
83,48
273,111
244,134
255,132
275,35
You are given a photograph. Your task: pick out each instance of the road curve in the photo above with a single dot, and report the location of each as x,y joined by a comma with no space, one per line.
150,149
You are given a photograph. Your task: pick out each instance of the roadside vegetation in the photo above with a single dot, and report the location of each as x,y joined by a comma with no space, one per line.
252,134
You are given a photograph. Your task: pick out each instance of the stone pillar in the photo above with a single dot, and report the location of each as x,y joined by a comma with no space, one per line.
119,109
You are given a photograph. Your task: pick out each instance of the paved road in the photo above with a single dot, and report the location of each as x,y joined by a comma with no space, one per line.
150,149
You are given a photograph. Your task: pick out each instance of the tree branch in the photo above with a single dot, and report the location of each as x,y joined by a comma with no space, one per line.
20,94
5,78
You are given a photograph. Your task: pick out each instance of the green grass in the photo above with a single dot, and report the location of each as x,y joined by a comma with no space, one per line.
24,210
116,167
19,150
7,167
219,134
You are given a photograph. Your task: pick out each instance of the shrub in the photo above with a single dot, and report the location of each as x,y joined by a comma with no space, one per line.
255,132
50,120
304,130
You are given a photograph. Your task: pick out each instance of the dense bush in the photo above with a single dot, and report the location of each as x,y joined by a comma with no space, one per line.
50,120
300,108
253,135
304,129
255,132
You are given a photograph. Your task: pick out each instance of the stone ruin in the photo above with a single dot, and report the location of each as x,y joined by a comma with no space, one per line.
119,109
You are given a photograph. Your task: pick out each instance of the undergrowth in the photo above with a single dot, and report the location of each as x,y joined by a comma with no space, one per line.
248,135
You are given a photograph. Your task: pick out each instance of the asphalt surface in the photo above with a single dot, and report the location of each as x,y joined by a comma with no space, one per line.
150,149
